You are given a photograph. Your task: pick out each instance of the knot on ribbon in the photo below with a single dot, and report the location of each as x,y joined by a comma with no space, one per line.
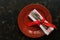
38,22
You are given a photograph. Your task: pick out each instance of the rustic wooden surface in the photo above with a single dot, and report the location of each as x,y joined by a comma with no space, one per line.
9,10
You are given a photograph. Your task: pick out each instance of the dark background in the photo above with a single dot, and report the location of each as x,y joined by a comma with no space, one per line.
9,10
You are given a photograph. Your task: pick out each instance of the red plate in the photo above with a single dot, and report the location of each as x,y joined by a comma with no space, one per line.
33,32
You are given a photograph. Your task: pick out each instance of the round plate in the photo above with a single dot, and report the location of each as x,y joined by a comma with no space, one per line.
33,31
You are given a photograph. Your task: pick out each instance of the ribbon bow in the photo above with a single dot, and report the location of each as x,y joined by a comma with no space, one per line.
38,22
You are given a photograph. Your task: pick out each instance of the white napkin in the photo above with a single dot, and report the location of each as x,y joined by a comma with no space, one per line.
46,31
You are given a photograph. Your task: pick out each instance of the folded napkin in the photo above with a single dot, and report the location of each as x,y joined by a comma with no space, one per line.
38,19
